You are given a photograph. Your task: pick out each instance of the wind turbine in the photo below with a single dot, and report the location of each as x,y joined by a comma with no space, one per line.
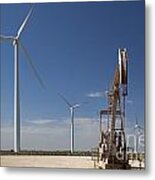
15,40
72,109
138,132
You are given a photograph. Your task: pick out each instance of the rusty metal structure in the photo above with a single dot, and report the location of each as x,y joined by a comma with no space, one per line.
112,145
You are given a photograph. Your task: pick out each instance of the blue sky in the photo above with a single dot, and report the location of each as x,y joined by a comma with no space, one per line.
74,48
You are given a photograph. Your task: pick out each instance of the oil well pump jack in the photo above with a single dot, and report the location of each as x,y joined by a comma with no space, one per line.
112,145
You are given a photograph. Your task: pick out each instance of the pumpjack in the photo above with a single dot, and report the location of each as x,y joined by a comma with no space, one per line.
112,145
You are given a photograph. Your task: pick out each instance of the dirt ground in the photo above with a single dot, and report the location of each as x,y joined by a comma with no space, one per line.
80,162
48,161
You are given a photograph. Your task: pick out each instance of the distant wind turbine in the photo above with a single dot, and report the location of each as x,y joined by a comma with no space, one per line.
72,109
17,43
138,132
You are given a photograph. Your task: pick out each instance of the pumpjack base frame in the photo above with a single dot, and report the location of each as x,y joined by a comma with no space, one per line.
120,165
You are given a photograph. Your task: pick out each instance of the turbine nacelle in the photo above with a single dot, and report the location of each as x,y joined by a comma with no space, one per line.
136,126
15,41
75,106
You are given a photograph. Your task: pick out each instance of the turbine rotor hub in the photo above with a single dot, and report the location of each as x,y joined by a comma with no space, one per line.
15,41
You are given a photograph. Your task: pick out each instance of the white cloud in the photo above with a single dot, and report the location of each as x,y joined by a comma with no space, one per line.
55,134
129,101
96,94
41,121
85,120
52,134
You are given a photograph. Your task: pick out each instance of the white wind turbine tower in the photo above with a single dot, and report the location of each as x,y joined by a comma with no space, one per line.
72,109
15,40
138,132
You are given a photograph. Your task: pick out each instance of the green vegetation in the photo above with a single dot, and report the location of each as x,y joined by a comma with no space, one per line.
47,153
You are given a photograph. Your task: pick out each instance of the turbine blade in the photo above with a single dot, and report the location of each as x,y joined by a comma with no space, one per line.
64,99
6,38
76,106
24,23
30,62
136,120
